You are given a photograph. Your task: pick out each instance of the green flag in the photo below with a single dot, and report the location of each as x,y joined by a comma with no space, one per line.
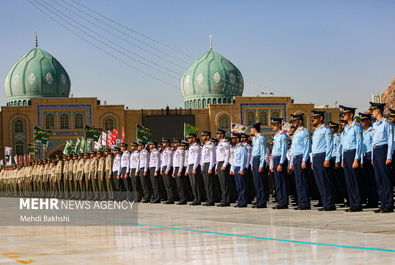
188,129
81,149
32,149
77,146
41,135
143,134
66,150
92,133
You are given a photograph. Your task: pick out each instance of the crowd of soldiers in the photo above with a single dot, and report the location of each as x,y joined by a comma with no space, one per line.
347,164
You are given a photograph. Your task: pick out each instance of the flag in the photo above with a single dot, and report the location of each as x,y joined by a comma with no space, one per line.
123,135
143,134
103,139
7,155
188,129
92,133
67,149
41,135
238,128
114,134
32,149
81,148
109,138
77,146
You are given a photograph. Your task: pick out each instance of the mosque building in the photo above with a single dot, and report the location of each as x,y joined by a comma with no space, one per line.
37,90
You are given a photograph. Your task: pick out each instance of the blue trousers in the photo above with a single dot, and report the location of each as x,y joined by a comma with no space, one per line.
302,185
353,179
240,186
383,176
259,181
323,179
281,181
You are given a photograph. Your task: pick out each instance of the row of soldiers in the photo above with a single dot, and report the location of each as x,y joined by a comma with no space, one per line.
352,161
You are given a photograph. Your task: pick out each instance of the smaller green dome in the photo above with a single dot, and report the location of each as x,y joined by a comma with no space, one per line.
36,74
212,79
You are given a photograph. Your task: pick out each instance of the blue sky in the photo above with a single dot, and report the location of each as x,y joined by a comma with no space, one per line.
314,51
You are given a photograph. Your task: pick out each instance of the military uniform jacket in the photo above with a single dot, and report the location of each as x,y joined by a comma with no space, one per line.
116,165
144,160
87,164
208,154
93,167
194,155
154,161
80,165
134,160
166,158
108,165
179,157
125,160
223,152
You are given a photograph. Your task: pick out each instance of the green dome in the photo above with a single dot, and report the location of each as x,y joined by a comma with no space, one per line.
36,74
212,79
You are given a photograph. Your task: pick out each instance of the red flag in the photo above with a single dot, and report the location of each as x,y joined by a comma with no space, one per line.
114,136
123,135
109,138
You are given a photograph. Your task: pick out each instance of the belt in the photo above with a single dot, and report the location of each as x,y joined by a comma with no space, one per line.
368,154
349,150
298,155
380,146
314,155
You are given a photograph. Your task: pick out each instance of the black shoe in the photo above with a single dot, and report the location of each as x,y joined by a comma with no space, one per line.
208,204
354,209
330,208
387,210
379,210
280,207
259,206
370,206
254,203
303,208
223,205
168,202
195,203
155,201
318,205
240,205
181,203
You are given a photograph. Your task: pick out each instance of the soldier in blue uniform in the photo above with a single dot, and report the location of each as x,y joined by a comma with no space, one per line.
382,142
339,184
321,150
300,150
351,152
280,163
238,169
369,188
259,145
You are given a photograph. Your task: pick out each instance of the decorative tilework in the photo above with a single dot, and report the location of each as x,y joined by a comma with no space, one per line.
243,107
57,107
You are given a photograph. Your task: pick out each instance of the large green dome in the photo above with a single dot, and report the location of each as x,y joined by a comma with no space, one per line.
36,74
212,79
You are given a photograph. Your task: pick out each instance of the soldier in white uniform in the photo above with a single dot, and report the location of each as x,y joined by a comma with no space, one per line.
166,158
134,172
116,172
193,170
125,186
178,170
143,172
154,167
208,167
222,167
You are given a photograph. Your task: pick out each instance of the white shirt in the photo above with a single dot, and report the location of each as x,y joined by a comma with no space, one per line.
154,161
194,155
134,160
223,152
208,154
166,158
144,160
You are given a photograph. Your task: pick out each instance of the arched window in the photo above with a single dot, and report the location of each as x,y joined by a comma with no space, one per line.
251,117
229,100
109,123
49,121
263,117
64,121
214,101
209,101
204,103
224,101
25,103
78,121
20,103
18,126
224,122
219,101
199,104
275,114
195,104
19,148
